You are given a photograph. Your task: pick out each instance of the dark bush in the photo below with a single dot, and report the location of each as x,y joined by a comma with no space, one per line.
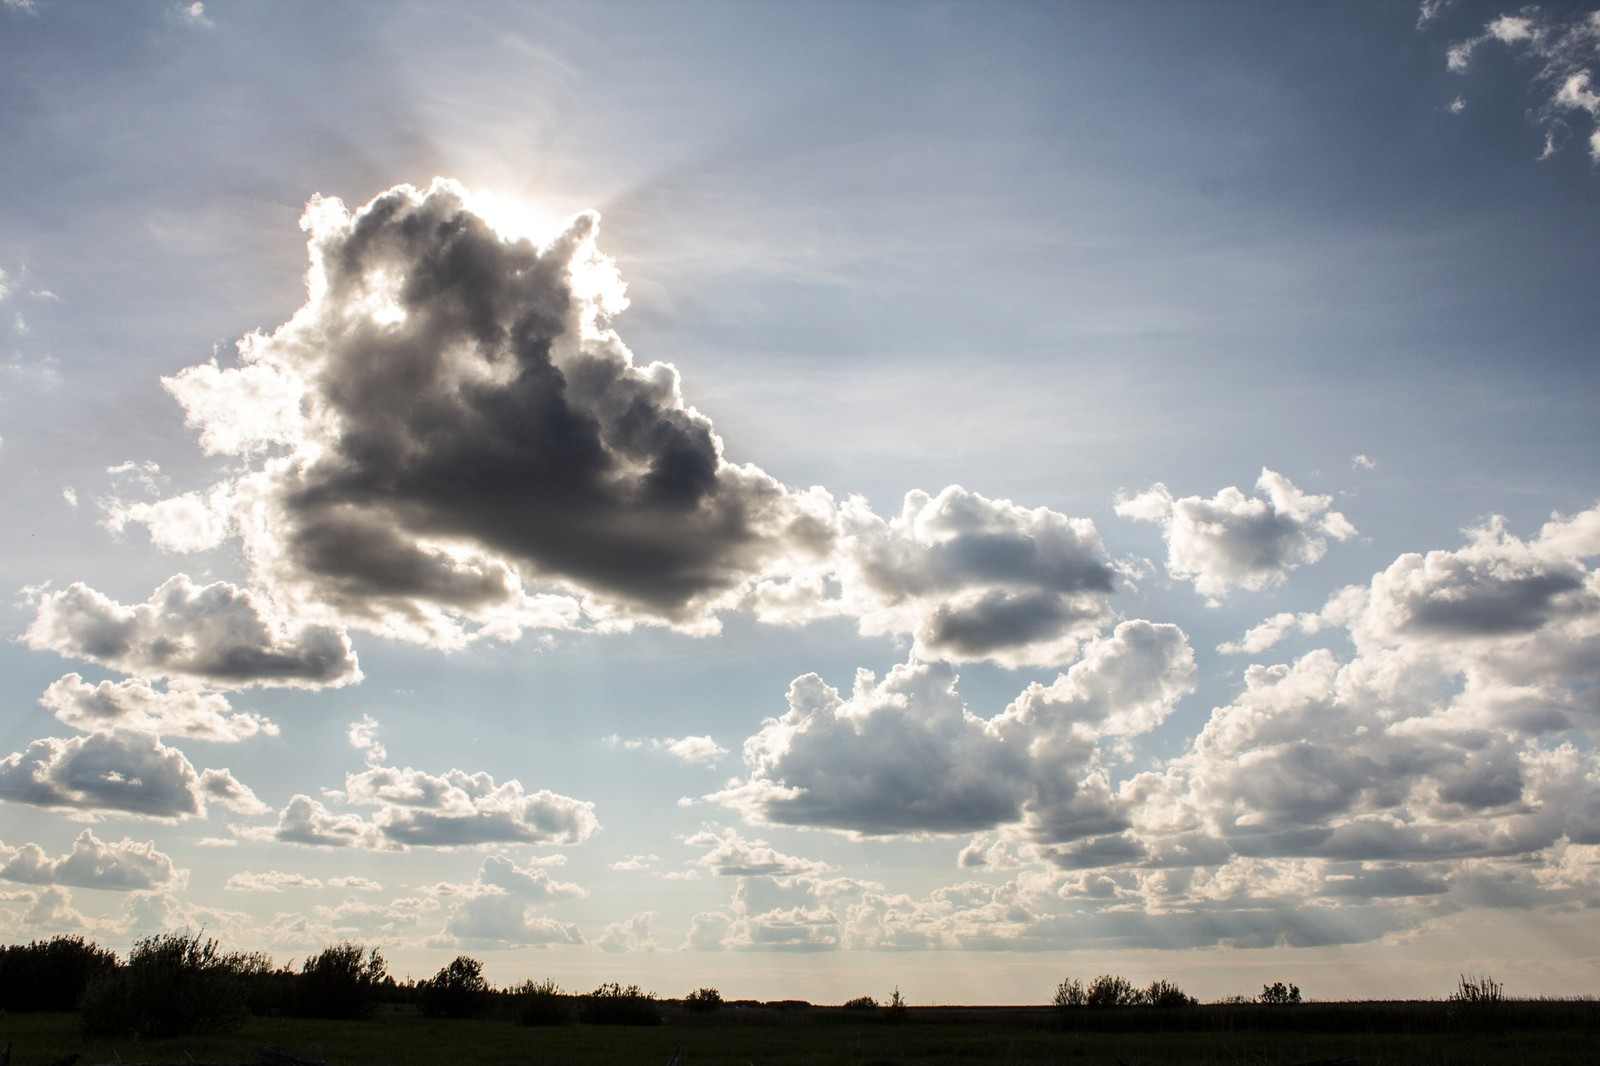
456,991
541,1003
703,1000
1069,994
1167,994
861,1003
1477,1003
173,984
342,981
1109,990
612,1004
50,975
1280,994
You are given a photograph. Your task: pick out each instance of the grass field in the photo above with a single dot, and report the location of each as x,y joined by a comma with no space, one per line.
734,1038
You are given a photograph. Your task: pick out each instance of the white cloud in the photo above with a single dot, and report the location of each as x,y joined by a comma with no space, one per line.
132,773
179,709
905,755
733,856
217,634
500,873
1236,541
457,809
269,881
364,738
125,866
1566,46
506,921
631,935
695,750
970,578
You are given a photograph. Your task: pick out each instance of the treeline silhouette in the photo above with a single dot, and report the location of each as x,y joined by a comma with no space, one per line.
174,984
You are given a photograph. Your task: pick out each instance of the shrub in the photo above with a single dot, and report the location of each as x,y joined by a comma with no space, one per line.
1477,1002
1279,994
173,983
1110,990
1167,994
50,975
340,982
541,1003
1069,994
862,1003
456,991
612,1004
896,1009
703,1000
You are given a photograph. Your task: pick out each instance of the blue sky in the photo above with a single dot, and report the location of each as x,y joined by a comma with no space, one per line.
807,498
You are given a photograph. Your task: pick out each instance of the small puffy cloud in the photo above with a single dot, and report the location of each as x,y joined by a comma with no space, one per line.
133,773
269,881
507,921
458,809
1362,461
220,786
1259,638
628,936
359,884
1236,541
192,14
904,755
307,822
695,750
636,863
135,705
1565,46
732,856
503,875
126,866
973,578
364,738
217,634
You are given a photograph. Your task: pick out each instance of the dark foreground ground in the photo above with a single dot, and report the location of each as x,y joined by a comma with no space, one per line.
1374,1034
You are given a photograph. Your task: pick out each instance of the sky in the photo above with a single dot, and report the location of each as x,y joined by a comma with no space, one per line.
807,499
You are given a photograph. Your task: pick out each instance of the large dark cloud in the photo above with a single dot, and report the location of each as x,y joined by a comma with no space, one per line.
467,420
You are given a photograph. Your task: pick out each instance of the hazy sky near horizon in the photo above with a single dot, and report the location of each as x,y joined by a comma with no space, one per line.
807,498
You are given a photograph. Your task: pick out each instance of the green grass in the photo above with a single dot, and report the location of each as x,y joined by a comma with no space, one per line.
406,1038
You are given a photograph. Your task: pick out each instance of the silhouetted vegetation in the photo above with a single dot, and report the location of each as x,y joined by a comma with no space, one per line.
173,983
341,981
50,975
541,1003
456,991
861,1003
703,1000
612,1004
1477,1003
1279,994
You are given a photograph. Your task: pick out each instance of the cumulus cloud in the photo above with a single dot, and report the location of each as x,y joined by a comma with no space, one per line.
696,750
730,855
632,934
904,755
135,705
1564,47
450,441
1236,541
269,881
417,809
506,921
132,773
125,866
450,422
458,809
973,578
216,634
